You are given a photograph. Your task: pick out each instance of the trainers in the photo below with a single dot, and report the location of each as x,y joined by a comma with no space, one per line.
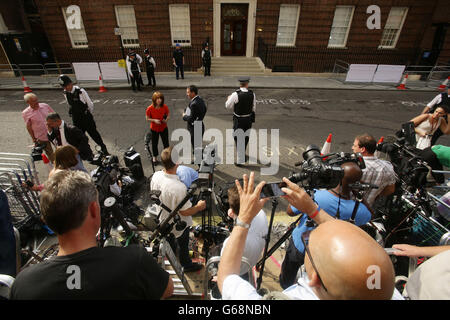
193,267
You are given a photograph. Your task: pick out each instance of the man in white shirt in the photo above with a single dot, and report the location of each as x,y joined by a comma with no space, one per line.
173,191
378,172
257,233
243,104
342,261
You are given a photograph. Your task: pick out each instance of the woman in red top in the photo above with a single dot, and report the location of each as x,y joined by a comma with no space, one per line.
158,115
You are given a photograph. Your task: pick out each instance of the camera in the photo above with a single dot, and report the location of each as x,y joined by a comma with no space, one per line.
406,160
323,172
36,152
206,170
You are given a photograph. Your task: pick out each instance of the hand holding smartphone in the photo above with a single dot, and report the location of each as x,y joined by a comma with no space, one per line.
273,190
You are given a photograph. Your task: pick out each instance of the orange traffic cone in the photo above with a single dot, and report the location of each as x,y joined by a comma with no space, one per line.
327,145
102,88
402,85
377,153
26,88
47,162
443,85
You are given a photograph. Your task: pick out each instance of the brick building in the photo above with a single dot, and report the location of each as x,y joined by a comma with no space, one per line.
288,35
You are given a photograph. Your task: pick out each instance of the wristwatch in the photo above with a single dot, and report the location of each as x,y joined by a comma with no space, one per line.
239,223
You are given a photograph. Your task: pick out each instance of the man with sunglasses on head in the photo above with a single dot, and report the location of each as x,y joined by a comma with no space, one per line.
340,257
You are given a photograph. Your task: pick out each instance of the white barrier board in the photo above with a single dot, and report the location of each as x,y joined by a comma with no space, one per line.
86,70
389,73
112,71
361,72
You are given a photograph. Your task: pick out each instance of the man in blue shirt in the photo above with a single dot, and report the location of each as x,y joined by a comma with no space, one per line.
337,202
187,175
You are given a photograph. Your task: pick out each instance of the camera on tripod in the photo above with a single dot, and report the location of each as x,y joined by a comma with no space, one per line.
323,171
206,170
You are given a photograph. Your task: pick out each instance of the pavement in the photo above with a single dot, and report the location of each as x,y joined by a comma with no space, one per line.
167,80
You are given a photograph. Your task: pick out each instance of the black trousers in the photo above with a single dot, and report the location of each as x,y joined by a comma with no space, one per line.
436,136
430,157
179,69
87,123
244,123
207,67
291,263
182,242
136,80
192,133
155,137
150,77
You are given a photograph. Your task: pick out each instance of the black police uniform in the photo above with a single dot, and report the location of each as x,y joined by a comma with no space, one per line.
244,115
82,117
150,68
207,62
445,102
136,78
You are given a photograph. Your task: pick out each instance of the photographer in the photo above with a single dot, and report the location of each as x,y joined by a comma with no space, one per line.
65,159
173,191
437,156
69,204
378,172
63,134
337,250
35,116
255,242
337,202
442,99
428,281
427,124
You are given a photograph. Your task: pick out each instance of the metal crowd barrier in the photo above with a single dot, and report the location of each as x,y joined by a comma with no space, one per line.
15,169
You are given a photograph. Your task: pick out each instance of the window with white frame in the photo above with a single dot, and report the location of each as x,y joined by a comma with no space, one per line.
77,33
180,24
340,28
287,24
393,27
126,20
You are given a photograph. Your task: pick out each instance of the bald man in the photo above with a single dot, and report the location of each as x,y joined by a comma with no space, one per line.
342,261
338,203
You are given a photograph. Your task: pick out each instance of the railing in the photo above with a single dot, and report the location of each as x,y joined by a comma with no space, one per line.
318,60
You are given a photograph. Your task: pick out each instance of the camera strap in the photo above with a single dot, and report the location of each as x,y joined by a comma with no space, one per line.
355,208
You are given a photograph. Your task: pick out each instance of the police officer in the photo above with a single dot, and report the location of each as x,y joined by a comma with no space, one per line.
80,109
134,70
243,104
195,111
441,100
206,58
150,66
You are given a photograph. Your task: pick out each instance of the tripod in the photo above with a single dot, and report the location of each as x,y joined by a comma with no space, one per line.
147,142
163,232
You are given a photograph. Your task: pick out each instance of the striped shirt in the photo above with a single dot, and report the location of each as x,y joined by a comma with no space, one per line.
378,172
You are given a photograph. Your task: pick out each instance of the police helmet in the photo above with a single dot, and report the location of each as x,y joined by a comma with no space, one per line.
64,80
146,51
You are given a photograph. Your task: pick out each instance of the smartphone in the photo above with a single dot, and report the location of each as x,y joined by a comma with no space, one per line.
165,116
273,190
